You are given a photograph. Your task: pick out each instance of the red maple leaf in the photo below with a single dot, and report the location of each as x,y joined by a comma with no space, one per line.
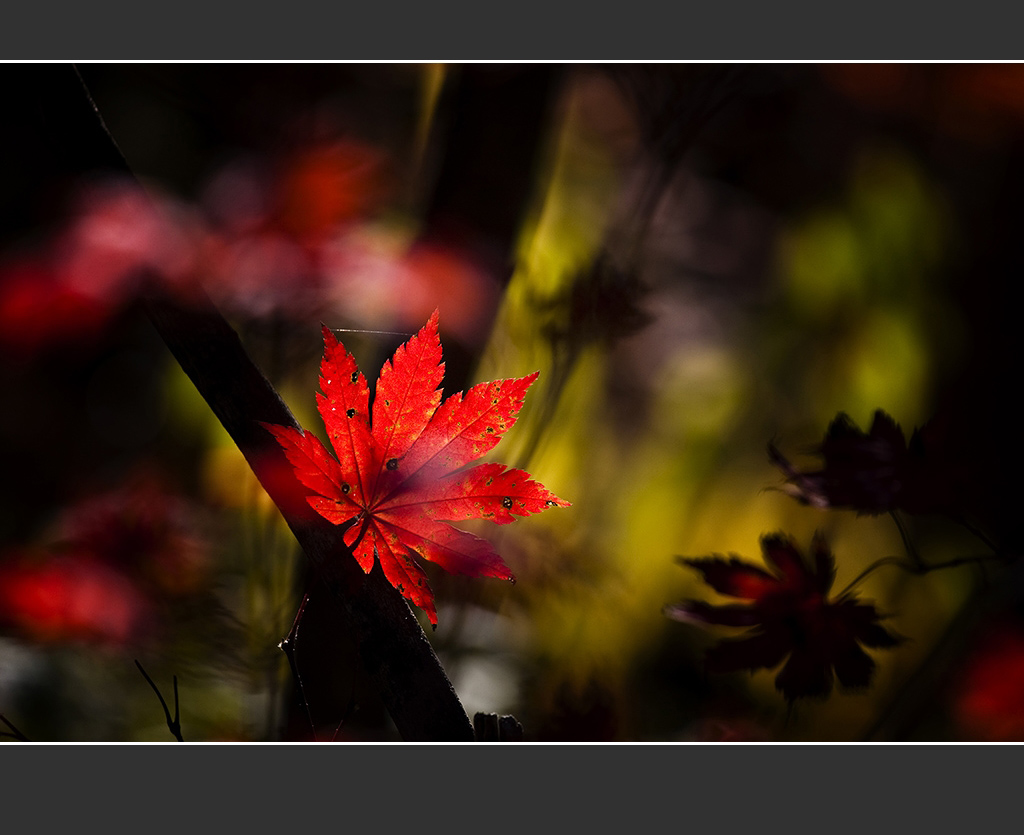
400,478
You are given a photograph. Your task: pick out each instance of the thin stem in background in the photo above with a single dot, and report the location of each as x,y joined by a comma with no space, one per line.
919,568
908,543
15,733
289,647
978,533
899,562
348,712
173,725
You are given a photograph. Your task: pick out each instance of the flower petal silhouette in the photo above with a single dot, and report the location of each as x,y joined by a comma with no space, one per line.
863,471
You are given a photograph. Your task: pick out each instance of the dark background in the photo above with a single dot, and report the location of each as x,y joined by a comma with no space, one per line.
718,174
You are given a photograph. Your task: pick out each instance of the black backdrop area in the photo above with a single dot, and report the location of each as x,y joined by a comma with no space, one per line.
459,159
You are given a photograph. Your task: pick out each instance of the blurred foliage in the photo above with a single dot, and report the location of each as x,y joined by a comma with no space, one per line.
707,259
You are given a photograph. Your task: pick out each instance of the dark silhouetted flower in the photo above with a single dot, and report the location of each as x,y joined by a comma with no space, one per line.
873,472
790,618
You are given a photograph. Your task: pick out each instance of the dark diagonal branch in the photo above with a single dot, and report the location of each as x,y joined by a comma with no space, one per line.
395,652
393,648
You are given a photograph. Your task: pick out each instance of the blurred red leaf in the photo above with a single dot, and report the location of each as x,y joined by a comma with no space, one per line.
75,279
379,279
116,558
989,703
38,310
141,528
791,619
71,598
328,184
399,480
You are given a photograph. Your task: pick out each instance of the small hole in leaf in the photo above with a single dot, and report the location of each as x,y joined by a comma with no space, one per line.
345,488
355,376
392,464
507,501
350,412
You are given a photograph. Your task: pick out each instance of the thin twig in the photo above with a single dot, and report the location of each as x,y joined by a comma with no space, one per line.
977,532
918,568
907,542
15,733
953,563
289,646
348,712
897,561
175,724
